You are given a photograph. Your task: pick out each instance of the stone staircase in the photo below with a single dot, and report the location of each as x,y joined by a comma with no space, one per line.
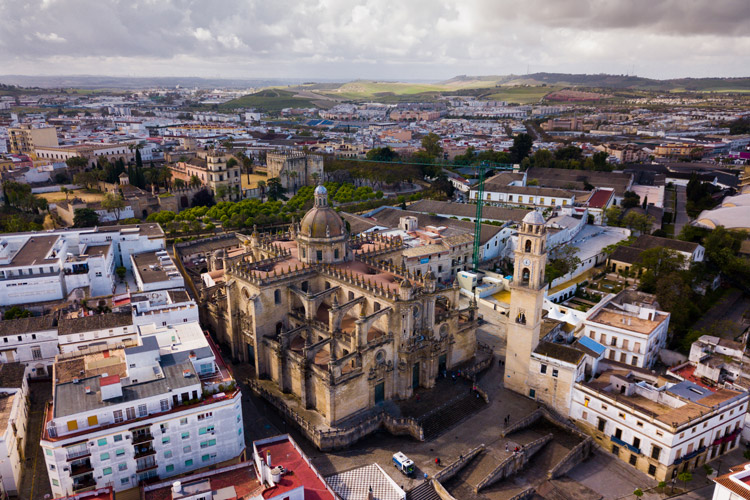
480,467
424,491
443,419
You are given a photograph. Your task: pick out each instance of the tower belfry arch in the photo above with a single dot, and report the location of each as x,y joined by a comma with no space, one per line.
526,300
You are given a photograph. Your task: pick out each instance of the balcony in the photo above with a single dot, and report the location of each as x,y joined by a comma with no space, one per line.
142,437
75,454
144,451
84,484
689,456
626,445
84,466
145,464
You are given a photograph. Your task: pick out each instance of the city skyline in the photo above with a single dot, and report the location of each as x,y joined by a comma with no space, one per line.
373,40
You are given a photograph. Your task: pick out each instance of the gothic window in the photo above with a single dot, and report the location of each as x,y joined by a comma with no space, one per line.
376,306
525,275
277,296
351,295
305,286
528,246
245,293
336,253
319,255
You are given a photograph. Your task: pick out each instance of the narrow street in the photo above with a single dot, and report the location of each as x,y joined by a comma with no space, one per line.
35,482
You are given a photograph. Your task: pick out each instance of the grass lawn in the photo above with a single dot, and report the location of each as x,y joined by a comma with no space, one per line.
268,100
521,94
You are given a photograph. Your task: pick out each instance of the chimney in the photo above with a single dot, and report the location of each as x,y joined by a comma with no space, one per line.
268,459
176,488
370,496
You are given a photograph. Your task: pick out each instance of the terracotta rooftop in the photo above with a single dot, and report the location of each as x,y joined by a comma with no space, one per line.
238,481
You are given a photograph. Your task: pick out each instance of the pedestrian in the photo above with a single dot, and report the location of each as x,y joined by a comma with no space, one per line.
506,446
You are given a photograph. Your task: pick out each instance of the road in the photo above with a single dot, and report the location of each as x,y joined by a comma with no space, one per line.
681,216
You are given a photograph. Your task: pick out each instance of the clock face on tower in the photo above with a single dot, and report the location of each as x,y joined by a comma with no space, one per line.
526,262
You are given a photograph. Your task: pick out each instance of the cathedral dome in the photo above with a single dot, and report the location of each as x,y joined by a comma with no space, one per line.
533,218
322,222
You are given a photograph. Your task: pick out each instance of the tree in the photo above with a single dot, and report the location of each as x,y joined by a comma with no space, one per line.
262,187
431,145
600,161
630,200
444,185
657,263
113,203
221,192
562,262
522,144
66,192
85,217
85,179
639,222
120,272
382,154
685,477
613,215
16,312
138,159
638,493
203,198
246,164
275,189
77,163
195,181
543,158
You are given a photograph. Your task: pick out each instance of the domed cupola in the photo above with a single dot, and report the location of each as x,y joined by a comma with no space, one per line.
322,236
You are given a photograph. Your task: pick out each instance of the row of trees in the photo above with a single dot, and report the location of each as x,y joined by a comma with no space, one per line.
568,157
633,220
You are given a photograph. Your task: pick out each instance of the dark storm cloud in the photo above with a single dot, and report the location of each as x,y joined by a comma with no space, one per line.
375,38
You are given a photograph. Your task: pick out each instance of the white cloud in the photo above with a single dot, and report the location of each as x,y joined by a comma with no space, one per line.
386,39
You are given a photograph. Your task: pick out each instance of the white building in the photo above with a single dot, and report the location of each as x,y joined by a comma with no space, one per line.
163,307
659,427
40,267
96,331
733,485
631,326
156,271
122,415
14,393
31,342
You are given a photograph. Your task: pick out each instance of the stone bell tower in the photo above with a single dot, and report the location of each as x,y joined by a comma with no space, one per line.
526,300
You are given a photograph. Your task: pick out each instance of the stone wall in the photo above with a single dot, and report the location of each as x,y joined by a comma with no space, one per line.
573,458
452,469
527,493
441,491
513,463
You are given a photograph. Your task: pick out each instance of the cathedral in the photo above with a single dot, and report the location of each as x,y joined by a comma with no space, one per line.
337,321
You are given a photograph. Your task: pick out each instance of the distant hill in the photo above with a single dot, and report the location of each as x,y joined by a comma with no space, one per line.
268,100
603,81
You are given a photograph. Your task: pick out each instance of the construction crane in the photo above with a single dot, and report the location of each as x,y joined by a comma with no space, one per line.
481,169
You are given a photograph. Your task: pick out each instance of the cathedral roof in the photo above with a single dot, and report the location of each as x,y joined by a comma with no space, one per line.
322,222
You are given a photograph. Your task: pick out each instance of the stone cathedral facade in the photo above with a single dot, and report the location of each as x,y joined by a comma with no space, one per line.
337,321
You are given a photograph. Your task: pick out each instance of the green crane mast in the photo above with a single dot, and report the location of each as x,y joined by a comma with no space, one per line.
478,218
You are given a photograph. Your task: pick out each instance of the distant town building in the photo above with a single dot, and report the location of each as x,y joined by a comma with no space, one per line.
25,139
295,168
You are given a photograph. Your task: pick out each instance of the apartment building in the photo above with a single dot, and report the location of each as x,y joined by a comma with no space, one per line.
32,342
92,152
526,196
631,327
119,416
210,168
14,417
657,426
25,138
156,271
40,267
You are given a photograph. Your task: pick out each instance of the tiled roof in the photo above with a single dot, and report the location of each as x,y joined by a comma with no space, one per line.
28,325
354,484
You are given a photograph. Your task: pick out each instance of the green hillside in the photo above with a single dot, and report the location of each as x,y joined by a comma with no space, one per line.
269,100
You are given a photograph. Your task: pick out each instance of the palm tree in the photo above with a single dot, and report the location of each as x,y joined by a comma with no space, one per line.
262,187
294,176
195,181
66,192
315,177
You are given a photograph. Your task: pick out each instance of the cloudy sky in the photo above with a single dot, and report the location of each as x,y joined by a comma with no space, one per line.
374,39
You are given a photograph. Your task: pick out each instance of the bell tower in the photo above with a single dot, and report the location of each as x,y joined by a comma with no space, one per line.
526,300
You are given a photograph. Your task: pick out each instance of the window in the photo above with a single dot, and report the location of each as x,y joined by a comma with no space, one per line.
621,415
118,416
169,468
336,253
554,372
130,413
604,339
623,357
615,449
168,454
277,296
543,369
532,393
36,352
165,440
93,420
185,435
142,410
104,456
123,466
118,437
636,442
206,415
618,433
651,470
125,480
613,341
633,459
102,442
189,462
183,421
659,433
602,424
48,452
319,255
119,452
55,482
164,403
205,430
635,360
107,471
187,449
639,424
